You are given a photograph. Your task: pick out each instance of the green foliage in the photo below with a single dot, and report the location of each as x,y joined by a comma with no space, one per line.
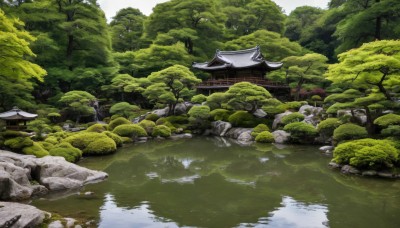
67,151
39,126
392,130
92,143
292,106
301,132
293,117
12,134
147,125
220,114
242,119
36,150
124,109
116,122
387,120
161,131
215,100
258,129
18,143
130,130
349,131
97,128
199,98
78,103
327,126
45,145
199,116
52,140
300,21
366,154
265,137
246,96
117,139
152,117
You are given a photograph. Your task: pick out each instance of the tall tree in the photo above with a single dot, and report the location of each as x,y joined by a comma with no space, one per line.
300,21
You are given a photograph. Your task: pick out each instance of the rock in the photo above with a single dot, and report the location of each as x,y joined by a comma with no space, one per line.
245,137
326,149
181,136
234,133
386,174
369,173
281,136
278,118
182,108
219,128
310,110
334,165
20,215
69,222
52,173
260,113
161,112
56,224
348,169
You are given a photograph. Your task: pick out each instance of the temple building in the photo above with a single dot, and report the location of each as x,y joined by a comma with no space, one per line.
230,67
16,118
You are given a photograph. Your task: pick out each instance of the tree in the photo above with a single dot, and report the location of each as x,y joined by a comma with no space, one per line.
375,64
124,109
300,21
79,103
127,28
246,96
171,86
303,69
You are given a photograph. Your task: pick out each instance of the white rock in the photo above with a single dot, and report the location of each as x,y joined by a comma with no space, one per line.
56,224
219,128
260,113
278,118
20,215
281,136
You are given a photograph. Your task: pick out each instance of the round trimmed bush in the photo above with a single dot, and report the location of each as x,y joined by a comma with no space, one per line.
387,120
18,143
92,143
293,117
130,130
162,131
301,132
327,126
117,139
153,117
265,137
349,131
366,154
258,129
147,125
97,128
101,146
242,119
67,151
117,122
220,114
36,150
198,99
392,130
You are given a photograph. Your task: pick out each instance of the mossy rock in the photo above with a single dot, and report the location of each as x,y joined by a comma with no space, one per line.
91,143
18,143
349,131
147,125
97,128
152,117
117,122
130,130
258,129
161,131
67,151
117,139
265,137
35,150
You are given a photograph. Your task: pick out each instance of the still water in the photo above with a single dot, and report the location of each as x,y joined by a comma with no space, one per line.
213,182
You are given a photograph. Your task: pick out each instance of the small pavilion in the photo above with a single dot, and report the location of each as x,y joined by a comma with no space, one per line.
230,67
16,118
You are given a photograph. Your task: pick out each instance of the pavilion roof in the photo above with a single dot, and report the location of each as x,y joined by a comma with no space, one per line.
17,114
249,58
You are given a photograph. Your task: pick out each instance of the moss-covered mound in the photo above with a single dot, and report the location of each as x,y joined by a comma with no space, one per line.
220,114
36,150
162,131
301,132
258,129
147,125
18,143
130,130
327,126
97,128
349,131
67,151
293,117
243,119
117,122
92,143
265,137
117,139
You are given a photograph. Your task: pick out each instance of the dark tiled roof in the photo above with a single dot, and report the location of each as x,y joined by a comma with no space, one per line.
237,60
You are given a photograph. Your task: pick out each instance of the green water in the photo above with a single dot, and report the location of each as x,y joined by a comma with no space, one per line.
212,182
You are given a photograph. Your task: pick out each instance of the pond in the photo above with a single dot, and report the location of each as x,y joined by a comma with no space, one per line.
214,182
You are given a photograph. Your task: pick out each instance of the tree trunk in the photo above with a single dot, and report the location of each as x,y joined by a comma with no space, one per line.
370,124
378,25
189,45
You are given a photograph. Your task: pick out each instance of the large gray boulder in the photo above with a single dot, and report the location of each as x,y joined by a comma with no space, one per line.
52,173
311,114
281,136
219,128
260,113
17,215
161,112
278,118
234,133
245,138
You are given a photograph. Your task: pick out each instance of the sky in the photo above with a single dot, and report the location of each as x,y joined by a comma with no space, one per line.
110,7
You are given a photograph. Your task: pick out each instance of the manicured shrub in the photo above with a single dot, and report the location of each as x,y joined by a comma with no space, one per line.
182,119
198,99
199,116
130,130
117,122
18,143
366,154
265,137
349,131
35,150
301,132
124,109
165,122
273,110
12,134
117,139
92,143
293,117
258,129
52,139
147,125
392,130
45,145
97,128
56,128
293,105
387,120
327,126
242,119
67,151
153,117
162,131
220,114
